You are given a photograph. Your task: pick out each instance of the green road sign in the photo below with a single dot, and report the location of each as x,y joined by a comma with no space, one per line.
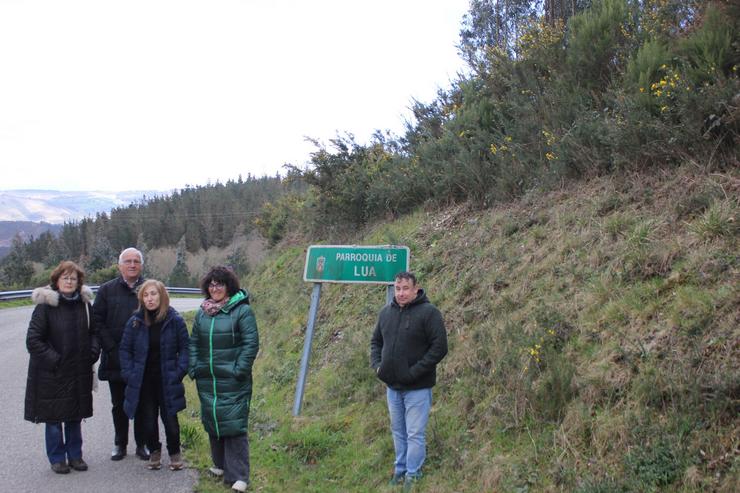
355,264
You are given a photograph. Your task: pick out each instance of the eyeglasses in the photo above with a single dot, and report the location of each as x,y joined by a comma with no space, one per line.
216,285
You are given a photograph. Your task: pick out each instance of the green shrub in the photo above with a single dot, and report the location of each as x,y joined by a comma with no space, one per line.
42,278
653,465
275,220
661,19
541,46
595,40
191,435
647,67
709,50
719,221
102,275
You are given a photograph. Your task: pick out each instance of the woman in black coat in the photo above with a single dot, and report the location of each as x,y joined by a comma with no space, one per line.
63,345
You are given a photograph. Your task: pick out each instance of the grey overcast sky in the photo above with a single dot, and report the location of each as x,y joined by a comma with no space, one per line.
159,94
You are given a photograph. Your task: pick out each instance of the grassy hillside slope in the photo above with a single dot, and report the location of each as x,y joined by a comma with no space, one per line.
593,337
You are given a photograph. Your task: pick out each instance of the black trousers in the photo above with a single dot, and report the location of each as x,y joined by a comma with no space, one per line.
151,404
120,420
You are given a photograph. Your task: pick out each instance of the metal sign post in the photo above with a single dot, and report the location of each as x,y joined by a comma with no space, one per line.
389,292
312,311
345,264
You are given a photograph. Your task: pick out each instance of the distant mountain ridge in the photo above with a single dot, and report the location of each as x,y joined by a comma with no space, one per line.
32,212
56,207
26,230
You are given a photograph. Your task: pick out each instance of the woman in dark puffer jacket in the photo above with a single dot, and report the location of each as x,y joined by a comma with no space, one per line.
154,360
63,344
223,345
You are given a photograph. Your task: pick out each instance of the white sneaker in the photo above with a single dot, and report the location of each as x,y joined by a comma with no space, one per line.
239,486
216,471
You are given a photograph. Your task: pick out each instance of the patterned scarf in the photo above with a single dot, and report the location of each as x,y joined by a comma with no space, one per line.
72,297
211,307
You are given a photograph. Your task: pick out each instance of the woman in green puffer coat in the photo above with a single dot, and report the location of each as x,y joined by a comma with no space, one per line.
223,345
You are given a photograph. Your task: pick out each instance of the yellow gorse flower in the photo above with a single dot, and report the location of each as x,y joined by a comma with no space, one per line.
549,137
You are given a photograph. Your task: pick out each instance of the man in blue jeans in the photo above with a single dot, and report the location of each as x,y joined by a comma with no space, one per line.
408,342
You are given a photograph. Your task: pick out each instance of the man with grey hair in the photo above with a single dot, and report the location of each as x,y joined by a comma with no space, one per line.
114,304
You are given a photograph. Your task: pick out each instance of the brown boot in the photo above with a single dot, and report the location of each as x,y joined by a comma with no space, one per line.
176,462
155,460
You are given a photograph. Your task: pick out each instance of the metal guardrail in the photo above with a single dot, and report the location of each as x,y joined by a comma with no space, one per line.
26,293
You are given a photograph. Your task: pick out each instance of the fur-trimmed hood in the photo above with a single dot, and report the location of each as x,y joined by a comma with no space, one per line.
48,296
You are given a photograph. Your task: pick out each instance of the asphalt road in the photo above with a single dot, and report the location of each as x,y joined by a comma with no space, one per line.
23,463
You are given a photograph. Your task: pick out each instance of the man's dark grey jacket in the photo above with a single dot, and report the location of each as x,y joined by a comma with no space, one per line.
114,304
407,344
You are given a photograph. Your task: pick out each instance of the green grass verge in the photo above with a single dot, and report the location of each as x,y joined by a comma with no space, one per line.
593,348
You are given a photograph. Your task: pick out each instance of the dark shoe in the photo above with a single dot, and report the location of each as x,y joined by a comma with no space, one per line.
397,479
78,464
410,482
60,468
142,453
119,452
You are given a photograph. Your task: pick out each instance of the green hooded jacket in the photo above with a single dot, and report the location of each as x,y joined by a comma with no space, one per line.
222,351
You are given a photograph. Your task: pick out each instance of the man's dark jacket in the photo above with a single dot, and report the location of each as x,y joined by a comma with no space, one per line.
407,344
114,304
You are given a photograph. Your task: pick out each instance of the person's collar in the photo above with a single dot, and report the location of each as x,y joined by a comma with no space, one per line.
70,297
138,281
